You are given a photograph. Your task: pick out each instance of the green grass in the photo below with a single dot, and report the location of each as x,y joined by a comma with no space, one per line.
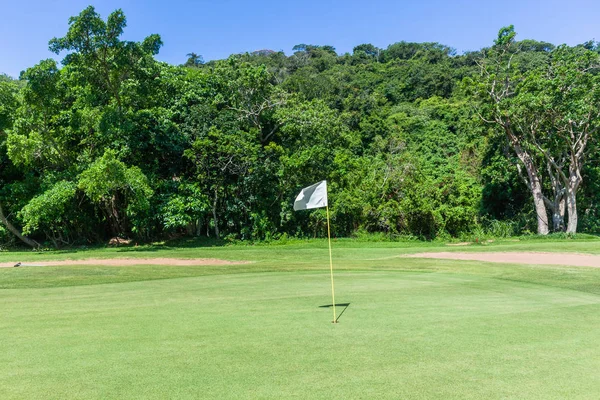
415,328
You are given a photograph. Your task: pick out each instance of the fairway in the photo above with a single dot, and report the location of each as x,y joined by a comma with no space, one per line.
415,328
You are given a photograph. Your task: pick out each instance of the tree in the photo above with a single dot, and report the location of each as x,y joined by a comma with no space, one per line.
8,103
222,159
564,99
52,212
114,142
8,106
115,187
248,90
38,138
495,89
431,52
319,57
367,51
548,112
194,60
103,59
109,99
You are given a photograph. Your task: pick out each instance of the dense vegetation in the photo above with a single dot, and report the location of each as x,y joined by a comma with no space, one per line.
413,139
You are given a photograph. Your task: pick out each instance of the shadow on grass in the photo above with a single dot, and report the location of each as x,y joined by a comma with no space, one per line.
184,243
65,250
195,242
143,249
180,243
345,305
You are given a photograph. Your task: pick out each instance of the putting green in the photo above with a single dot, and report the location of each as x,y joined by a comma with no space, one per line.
418,334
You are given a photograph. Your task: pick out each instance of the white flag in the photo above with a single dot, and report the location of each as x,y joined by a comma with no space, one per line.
314,196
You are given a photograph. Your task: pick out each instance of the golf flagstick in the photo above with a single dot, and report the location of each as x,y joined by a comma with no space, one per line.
331,268
315,196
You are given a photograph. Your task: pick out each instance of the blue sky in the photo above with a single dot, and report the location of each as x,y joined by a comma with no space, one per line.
218,28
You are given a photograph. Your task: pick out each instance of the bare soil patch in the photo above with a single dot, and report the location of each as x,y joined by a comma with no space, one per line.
128,261
540,258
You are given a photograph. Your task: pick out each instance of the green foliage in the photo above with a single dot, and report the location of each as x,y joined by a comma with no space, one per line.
545,101
115,187
115,143
184,207
8,103
50,210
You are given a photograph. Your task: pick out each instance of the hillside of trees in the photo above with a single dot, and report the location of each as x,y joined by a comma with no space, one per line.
413,139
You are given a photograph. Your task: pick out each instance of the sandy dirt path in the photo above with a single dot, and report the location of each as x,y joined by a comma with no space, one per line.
573,259
128,261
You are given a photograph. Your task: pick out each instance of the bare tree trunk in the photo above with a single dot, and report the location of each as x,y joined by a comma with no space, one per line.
572,186
540,208
556,221
558,214
114,212
16,232
557,209
535,186
563,209
572,208
557,205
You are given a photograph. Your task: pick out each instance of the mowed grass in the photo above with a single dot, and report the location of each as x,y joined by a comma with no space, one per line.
415,328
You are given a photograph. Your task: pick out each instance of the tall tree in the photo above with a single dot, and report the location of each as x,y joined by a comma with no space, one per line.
496,88
8,107
104,60
564,102
193,60
548,112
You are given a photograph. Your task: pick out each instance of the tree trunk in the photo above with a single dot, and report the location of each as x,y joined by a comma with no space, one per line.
572,208
557,205
535,186
572,187
557,209
16,232
540,208
557,222
558,215
112,224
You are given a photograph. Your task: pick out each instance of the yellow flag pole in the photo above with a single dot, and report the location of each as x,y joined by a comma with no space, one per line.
331,268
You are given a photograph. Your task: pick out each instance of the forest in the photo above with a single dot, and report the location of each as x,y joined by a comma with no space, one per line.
414,140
